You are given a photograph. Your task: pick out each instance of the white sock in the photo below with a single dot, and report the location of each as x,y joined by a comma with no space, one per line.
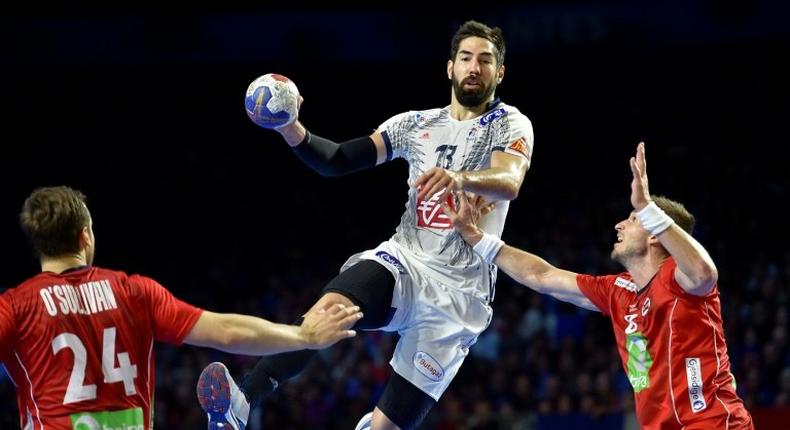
364,423
238,402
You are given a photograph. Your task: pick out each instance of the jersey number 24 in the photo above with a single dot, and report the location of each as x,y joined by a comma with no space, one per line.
126,372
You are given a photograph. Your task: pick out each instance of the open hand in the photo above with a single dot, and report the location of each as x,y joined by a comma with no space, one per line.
325,327
469,212
640,194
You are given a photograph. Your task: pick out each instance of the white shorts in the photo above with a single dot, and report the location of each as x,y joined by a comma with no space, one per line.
436,322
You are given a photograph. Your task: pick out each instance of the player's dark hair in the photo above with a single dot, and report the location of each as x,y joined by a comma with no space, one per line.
682,217
476,29
53,218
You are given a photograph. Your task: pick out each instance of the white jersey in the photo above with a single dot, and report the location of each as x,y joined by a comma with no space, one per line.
432,138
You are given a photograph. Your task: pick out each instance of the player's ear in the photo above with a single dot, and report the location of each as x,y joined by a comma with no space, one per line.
86,238
449,69
500,74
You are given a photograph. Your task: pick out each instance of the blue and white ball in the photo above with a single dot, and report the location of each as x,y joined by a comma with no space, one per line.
271,101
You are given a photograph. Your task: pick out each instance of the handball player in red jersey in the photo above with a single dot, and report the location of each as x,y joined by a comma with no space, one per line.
77,340
665,308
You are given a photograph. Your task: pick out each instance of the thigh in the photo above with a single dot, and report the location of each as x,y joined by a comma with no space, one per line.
443,326
368,285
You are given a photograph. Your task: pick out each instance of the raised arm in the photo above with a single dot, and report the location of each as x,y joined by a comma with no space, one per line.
527,269
695,272
501,181
243,334
330,158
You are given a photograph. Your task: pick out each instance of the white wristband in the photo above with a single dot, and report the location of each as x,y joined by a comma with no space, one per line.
653,219
488,247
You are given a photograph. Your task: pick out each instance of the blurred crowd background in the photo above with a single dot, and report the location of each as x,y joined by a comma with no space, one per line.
141,109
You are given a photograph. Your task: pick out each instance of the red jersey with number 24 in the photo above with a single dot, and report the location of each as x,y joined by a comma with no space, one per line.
79,346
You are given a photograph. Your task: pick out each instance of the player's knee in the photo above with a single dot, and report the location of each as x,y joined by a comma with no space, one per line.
402,404
381,422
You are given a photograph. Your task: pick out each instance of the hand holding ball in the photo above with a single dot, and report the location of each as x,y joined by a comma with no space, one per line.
272,101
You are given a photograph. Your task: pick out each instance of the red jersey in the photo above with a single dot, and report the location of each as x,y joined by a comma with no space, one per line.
672,347
79,346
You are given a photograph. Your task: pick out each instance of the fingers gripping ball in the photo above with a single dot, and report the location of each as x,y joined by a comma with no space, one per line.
271,101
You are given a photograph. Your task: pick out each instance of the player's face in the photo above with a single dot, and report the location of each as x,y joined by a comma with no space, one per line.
474,72
631,240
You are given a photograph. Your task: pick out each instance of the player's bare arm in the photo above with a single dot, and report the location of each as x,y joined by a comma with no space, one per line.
696,273
242,334
527,269
501,181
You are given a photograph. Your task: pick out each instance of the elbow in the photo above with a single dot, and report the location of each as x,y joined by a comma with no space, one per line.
706,275
709,273
511,192
228,336
226,339
533,281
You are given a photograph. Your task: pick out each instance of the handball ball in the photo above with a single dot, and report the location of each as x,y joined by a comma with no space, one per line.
271,101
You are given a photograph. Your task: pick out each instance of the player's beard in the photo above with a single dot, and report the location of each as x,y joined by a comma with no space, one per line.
475,97
626,253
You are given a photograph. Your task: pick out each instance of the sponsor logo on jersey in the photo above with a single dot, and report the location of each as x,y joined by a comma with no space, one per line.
520,146
431,215
425,135
428,366
128,419
694,378
494,114
392,261
639,361
625,283
646,306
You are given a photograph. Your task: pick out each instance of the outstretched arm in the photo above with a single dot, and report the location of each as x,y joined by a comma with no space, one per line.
501,181
527,269
329,158
695,271
243,334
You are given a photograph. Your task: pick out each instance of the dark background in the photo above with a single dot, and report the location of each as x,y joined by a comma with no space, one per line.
141,108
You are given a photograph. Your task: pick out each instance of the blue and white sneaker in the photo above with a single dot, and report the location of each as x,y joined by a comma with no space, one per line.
227,407
364,423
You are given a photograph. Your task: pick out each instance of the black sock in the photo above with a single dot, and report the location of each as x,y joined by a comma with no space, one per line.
258,384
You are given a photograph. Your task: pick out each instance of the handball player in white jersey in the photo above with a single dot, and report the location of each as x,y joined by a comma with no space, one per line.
424,282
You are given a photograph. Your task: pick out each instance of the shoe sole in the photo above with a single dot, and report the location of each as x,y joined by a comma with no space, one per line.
213,392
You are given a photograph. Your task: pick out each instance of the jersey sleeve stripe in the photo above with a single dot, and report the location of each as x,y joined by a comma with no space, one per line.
32,399
718,368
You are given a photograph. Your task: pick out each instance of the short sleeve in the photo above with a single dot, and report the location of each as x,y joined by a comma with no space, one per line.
395,131
598,289
515,135
172,318
666,276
